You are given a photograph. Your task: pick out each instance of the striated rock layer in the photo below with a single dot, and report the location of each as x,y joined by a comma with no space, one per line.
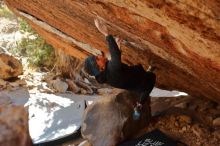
180,37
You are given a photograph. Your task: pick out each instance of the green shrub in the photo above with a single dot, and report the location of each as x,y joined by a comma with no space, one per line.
33,46
25,27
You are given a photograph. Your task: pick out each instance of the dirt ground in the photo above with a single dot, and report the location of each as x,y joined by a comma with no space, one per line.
194,121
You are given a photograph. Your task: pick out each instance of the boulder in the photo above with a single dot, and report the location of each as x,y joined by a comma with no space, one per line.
9,66
181,38
72,86
216,122
109,121
3,84
14,126
59,85
4,99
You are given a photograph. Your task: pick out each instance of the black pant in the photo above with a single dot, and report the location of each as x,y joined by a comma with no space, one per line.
147,86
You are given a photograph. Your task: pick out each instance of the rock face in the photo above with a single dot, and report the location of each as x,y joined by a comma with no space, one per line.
14,126
9,66
181,38
109,121
4,99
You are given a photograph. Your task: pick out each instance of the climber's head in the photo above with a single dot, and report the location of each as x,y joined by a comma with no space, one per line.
95,64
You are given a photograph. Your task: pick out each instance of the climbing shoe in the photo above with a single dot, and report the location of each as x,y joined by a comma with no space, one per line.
137,111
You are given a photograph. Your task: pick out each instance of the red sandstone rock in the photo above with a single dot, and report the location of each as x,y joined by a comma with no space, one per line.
14,126
182,38
9,66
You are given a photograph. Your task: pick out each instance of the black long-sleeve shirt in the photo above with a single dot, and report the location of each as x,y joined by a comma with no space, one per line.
120,75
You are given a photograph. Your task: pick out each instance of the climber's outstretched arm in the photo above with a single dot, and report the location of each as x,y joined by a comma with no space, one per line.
112,45
114,50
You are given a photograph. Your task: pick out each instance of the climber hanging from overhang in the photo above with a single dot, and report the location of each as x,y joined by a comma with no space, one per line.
120,75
